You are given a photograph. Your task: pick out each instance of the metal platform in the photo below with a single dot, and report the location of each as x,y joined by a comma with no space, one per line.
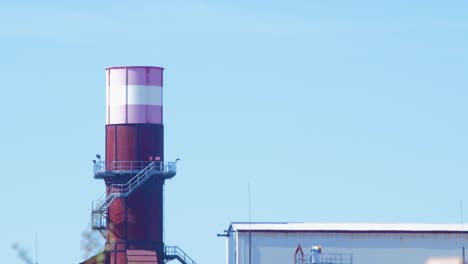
140,171
104,169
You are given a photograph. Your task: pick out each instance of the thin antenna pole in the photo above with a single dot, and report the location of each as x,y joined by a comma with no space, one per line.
462,233
463,253
36,248
250,231
461,214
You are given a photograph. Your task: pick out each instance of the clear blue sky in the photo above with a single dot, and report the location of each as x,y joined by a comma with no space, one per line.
334,111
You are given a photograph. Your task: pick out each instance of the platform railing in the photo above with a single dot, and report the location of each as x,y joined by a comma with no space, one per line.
178,253
336,258
122,190
170,252
114,191
135,182
325,258
130,166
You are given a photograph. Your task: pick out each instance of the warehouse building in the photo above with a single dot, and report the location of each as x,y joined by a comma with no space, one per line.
267,243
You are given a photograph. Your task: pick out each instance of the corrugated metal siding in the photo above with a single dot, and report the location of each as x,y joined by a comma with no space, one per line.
366,247
302,227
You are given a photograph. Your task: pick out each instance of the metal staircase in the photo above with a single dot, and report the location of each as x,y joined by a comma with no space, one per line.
143,171
114,191
174,252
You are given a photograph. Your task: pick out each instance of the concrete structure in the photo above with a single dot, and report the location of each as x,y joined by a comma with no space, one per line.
130,212
367,243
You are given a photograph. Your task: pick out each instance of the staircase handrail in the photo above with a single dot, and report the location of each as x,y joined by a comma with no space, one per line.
115,191
179,254
127,188
123,190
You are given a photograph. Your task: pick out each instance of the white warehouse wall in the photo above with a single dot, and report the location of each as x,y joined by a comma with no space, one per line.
270,247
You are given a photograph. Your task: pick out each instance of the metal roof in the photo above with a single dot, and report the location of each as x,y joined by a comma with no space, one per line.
123,67
347,227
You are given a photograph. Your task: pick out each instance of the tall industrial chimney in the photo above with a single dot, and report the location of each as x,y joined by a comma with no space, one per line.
130,212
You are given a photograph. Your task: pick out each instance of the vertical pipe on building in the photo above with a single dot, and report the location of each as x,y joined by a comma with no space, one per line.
250,231
463,253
